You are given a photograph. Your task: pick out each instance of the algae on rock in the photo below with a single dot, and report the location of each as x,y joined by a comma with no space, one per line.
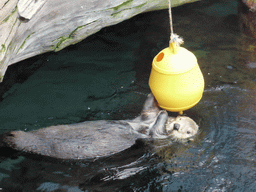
33,27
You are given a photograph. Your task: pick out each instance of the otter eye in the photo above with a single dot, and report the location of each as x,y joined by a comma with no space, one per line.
176,126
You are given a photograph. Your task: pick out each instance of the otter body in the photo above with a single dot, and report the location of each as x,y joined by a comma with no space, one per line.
92,139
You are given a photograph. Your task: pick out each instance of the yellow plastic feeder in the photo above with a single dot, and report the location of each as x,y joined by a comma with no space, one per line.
176,80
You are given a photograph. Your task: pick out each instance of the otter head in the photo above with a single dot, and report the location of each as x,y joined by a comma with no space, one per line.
181,127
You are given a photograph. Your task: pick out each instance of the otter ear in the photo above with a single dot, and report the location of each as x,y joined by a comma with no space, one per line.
150,105
158,129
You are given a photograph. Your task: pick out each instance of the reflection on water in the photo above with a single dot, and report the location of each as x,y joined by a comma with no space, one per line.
106,77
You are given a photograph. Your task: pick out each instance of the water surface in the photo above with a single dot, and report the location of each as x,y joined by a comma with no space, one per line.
106,77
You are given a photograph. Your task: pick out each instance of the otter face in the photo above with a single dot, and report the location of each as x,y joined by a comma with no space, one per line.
181,127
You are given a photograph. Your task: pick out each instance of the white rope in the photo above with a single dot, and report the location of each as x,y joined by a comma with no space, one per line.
170,16
174,37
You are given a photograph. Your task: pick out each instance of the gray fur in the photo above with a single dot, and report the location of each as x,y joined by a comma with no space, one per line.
93,139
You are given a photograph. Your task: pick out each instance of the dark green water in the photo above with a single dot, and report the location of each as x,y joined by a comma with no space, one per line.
106,77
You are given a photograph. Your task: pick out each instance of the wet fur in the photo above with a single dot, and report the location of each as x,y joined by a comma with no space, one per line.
92,139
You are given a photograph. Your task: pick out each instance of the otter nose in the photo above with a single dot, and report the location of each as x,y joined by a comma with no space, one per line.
176,126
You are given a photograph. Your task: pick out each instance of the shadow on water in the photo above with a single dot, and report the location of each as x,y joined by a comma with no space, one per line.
106,77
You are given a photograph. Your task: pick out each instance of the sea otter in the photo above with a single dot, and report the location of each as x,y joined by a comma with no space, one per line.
92,139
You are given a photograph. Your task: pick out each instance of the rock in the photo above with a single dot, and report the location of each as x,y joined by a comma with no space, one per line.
247,17
32,27
28,8
250,4
247,42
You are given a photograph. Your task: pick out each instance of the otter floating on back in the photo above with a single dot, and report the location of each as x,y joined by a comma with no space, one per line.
92,139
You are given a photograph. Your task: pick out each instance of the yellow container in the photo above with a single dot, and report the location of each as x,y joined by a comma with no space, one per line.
176,80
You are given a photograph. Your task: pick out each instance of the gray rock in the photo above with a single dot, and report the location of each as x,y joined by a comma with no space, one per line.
32,27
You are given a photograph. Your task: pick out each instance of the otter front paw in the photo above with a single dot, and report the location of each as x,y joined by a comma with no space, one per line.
158,129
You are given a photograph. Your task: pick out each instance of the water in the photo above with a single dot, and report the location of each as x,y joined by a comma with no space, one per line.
106,77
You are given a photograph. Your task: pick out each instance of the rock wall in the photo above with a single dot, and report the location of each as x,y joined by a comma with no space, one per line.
32,27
